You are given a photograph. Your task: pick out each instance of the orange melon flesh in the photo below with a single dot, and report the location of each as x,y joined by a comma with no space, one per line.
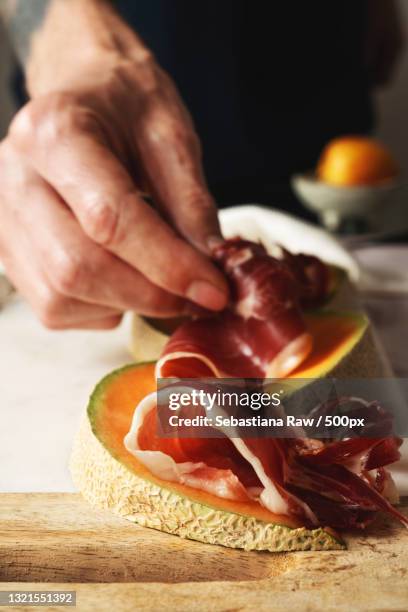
111,411
114,400
333,338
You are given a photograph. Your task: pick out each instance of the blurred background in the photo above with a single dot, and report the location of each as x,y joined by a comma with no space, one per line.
391,103
388,217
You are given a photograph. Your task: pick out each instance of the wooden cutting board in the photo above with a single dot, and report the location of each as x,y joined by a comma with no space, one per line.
58,538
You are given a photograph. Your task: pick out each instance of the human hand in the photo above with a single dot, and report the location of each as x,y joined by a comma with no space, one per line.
76,236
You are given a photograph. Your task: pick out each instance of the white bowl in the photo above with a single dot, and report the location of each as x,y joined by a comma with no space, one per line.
334,204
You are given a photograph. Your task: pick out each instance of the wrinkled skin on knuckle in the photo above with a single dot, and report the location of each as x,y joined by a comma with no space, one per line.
133,78
164,120
22,129
51,119
100,221
67,273
158,129
108,222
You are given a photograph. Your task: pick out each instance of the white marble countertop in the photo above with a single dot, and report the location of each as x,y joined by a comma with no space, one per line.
45,381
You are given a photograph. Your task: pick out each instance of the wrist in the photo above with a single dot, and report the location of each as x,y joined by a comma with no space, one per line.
79,43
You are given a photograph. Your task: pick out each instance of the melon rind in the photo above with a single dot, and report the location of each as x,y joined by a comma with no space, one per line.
365,358
107,483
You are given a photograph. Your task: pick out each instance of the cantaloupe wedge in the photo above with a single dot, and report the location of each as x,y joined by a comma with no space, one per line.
111,478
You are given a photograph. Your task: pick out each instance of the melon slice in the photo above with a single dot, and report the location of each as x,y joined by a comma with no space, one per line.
111,478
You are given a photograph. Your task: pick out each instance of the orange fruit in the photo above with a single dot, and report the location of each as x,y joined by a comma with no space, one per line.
356,160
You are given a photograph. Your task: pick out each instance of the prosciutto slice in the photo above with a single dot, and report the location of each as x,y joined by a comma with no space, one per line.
312,278
338,483
261,334
172,461
341,484
234,468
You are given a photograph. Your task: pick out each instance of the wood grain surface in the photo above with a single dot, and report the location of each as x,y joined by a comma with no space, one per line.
57,538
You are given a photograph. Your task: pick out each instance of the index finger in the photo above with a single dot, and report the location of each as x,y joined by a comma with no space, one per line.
170,153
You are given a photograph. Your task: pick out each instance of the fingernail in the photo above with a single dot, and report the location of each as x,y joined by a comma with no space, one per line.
207,295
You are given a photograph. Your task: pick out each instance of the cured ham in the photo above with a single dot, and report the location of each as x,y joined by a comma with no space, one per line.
312,278
341,484
172,461
261,334
336,483
229,346
230,468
